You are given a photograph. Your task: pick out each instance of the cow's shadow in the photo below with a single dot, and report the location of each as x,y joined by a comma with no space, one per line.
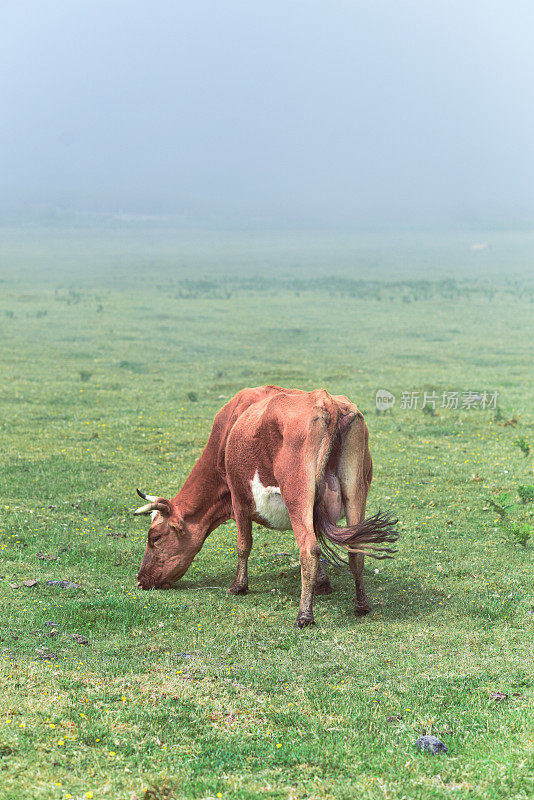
395,596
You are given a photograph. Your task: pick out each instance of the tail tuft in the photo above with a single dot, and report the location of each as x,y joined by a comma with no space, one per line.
368,537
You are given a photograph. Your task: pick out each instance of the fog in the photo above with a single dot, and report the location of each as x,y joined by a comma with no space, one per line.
286,110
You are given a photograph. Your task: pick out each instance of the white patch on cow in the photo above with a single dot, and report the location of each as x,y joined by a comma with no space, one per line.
269,504
152,515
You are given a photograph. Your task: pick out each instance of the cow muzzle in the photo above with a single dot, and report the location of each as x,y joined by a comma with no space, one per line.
146,584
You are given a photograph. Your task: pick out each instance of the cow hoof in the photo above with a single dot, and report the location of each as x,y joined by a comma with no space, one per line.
235,588
324,588
303,622
362,610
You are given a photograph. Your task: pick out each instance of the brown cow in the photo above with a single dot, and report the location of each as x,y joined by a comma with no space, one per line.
286,459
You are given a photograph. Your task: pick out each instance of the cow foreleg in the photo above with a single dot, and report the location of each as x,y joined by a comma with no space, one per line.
244,546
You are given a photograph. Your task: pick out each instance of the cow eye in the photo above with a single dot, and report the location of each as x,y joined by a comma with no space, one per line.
155,538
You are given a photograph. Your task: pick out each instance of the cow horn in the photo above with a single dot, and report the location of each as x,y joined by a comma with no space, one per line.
150,497
163,506
148,509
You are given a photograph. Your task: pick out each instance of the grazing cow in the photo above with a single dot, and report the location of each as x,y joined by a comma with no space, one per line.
286,459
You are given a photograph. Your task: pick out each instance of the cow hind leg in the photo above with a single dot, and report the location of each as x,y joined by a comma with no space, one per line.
244,546
322,583
310,553
309,565
362,605
296,478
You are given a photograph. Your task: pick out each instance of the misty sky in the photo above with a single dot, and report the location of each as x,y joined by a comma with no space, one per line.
286,109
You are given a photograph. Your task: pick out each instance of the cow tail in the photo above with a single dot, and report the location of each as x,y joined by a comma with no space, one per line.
328,414
370,537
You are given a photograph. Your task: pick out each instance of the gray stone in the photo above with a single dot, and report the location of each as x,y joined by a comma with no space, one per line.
78,638
64,584
430,743
46,655
498,697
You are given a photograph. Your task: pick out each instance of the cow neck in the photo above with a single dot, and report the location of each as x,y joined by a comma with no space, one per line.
204,500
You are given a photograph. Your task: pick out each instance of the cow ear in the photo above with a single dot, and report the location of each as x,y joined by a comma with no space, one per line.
177,524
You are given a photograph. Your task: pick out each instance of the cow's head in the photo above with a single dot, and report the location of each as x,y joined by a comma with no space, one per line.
170,547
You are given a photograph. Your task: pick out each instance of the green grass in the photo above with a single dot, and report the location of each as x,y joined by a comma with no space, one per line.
216,696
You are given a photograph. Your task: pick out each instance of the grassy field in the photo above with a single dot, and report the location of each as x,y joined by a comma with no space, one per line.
111,382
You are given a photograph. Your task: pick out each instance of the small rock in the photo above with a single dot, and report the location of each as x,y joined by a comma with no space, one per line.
30,583
64,584
46,655
50,623
395,718
46,557
499,697
79,638
14,585
430,743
